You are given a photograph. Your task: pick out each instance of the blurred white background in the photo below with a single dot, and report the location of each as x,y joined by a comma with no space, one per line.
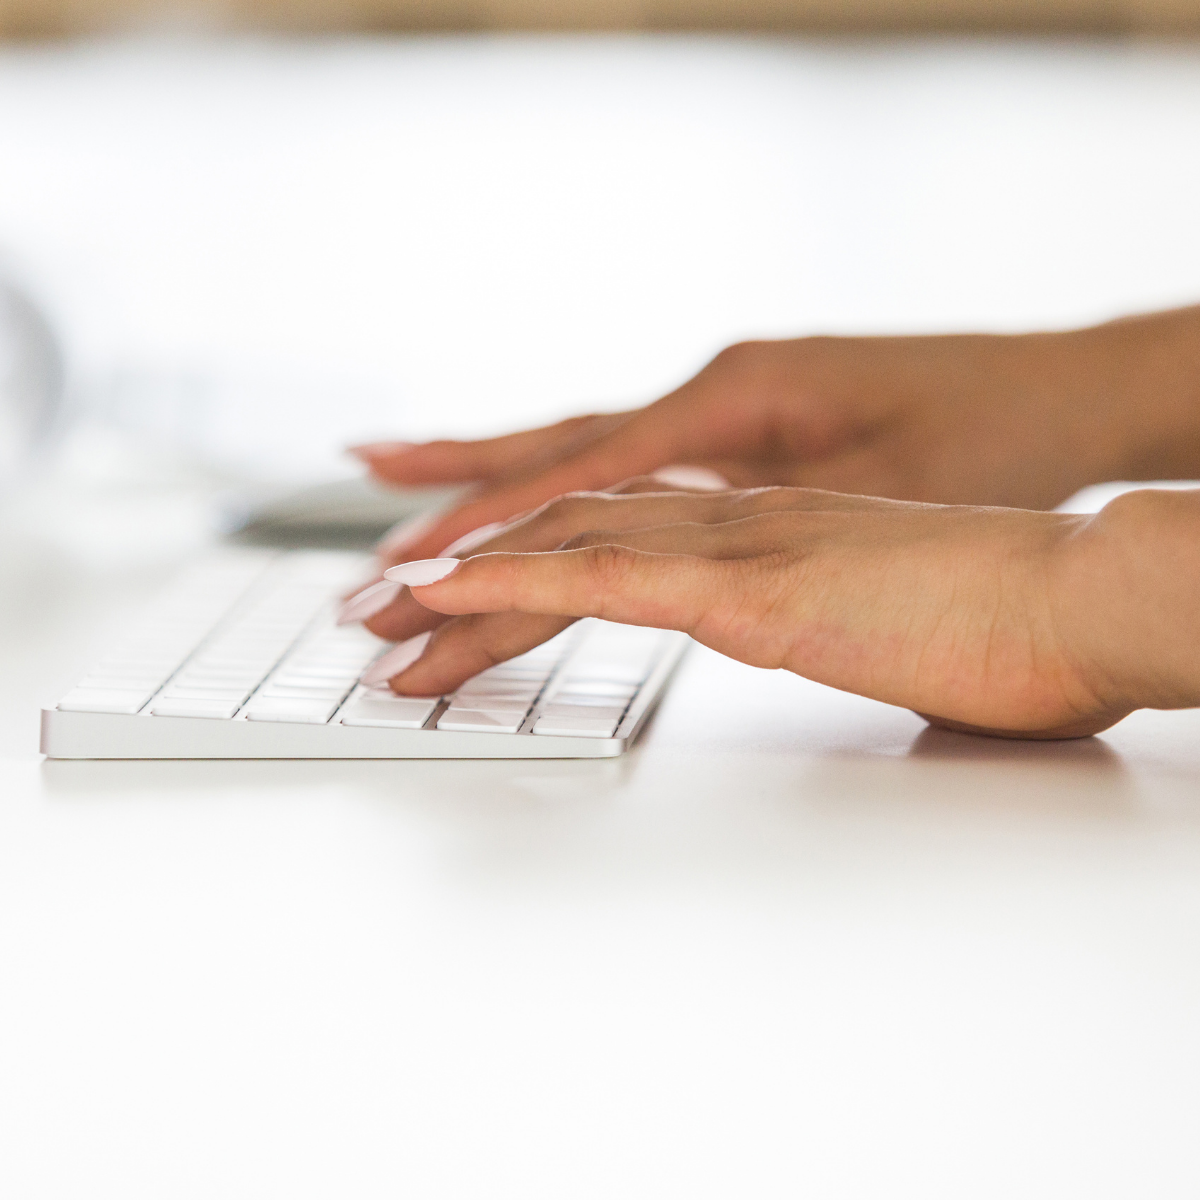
259,250
792,945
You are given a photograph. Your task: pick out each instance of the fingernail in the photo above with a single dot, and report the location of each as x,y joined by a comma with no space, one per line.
469,541
395,660
405,534
423,571
699,478
369,450
368,602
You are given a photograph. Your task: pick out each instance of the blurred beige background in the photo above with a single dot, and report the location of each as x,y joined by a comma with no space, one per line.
40,18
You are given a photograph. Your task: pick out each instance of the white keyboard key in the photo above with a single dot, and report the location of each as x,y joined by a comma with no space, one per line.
290,692
308,678
218,710
474,720
488,691
601,672
103,700
228,683
306,712
387,711
592,699
490,703
599,727
509,670
600,689
586,712
105,682
183,692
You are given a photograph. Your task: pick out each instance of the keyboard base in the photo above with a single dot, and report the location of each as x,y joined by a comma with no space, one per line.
107,735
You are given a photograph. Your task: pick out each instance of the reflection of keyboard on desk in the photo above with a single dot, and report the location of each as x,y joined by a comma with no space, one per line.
240,659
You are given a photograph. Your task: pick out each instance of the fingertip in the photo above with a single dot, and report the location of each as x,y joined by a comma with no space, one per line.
395,661
423,571
371,452
692,478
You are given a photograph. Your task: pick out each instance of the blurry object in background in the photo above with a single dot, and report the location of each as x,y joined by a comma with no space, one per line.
260,443
344,512
42,18
31,382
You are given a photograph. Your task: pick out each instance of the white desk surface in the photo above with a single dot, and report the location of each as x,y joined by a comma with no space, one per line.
794,944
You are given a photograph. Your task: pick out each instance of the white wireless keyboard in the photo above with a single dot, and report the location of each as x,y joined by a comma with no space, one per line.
240,658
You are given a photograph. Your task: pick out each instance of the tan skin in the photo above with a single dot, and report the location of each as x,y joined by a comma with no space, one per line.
959,597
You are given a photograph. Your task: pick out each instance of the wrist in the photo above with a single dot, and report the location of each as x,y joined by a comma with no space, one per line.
1141,397
1127,598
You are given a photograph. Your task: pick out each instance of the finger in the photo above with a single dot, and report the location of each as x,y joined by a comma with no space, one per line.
549,526
402,619
609,580
555,523
636,446
465,645
692,478
392,613
461,462
503,606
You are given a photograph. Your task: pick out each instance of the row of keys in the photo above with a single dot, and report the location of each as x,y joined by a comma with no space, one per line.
234,640
227,623
134,669
589,698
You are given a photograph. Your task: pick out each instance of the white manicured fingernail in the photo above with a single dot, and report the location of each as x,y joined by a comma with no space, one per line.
394,661
469,541
369,601
700,479
369,450
422,571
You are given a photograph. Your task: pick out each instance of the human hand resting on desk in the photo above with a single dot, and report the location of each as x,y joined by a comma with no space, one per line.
986,619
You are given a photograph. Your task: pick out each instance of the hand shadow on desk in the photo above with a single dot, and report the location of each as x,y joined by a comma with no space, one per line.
946,745
1081,776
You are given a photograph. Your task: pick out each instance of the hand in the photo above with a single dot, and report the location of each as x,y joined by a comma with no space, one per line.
1022,421
990,620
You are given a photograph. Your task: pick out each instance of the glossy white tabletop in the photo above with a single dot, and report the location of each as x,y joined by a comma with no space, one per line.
793,944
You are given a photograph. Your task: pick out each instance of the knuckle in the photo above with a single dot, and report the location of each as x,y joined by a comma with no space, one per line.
570,510
587,539
741,355
608,564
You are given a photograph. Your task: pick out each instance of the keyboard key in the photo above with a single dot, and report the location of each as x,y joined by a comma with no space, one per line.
491,703
484,693
585,712
474,720
103,700
387,711
306,712
217,684
292,678
594,700
284,691
130,682
220,710
615,673
596,688
183,692
554,726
